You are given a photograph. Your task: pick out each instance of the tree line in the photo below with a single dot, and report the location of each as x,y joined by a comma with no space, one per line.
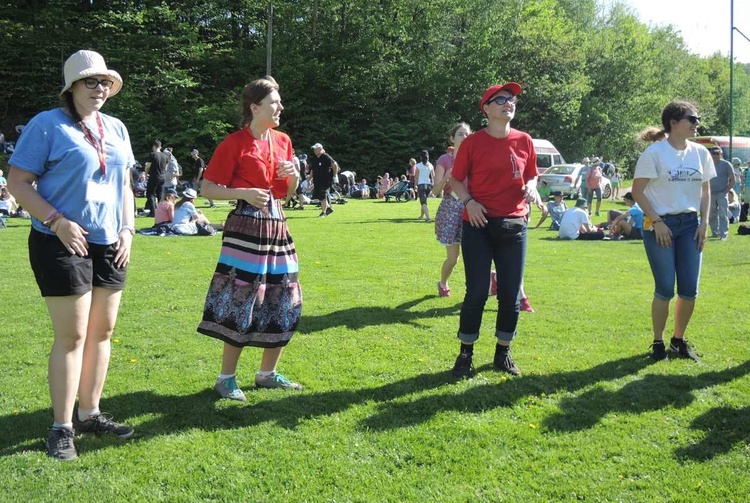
375,81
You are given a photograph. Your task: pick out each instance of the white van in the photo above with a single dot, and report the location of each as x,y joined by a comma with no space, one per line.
546,155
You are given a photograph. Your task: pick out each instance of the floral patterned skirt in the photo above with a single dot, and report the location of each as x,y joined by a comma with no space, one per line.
255,298
448,221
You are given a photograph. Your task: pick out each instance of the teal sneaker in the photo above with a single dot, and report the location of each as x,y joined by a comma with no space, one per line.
227,388
275,380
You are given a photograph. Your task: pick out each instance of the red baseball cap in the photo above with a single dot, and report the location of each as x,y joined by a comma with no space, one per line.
512,87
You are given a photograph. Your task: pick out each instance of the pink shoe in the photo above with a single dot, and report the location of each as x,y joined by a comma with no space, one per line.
493,283
443,292
525,306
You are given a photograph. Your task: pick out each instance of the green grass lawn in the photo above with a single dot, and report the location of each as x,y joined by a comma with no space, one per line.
380,418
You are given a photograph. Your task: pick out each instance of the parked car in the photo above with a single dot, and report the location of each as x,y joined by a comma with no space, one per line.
566,179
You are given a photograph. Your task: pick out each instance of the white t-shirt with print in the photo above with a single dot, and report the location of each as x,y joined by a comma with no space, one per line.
571,223
675,176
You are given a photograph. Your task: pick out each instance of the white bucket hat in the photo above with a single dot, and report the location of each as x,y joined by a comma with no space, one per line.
84,64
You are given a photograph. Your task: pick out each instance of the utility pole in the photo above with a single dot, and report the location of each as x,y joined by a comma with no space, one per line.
731,78
733,28
269,39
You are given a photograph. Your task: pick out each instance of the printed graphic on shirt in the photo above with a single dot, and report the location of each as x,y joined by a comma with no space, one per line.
516,170
685,174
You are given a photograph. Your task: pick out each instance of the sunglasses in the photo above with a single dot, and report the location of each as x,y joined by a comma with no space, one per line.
502,100
694,119
92,83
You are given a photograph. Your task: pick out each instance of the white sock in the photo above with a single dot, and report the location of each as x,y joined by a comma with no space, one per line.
224,377
67,426
84,414
265,373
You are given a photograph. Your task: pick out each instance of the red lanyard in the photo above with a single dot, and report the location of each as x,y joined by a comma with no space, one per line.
101,150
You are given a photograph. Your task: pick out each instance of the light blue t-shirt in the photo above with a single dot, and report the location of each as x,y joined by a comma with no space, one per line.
55,149
183,223
636,213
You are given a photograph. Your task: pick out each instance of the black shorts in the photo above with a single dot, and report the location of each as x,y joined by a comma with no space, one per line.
60,273
424,192
635,233
320,193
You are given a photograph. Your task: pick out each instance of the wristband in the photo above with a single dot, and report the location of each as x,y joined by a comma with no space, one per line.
128,228
657,220
467,200
51,218
51,221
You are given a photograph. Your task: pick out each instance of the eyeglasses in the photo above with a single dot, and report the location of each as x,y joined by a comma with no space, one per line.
502,100
694,119
92,83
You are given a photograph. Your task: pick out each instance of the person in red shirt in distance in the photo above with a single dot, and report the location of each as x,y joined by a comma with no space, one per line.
498,164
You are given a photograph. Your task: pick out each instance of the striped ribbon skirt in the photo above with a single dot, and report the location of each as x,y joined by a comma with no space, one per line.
255,298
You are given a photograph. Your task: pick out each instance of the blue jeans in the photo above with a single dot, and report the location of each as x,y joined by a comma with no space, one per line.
502,240
682,260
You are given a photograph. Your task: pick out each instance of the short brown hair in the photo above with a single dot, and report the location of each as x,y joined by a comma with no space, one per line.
254,93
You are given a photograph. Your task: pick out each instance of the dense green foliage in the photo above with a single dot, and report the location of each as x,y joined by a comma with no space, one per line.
380,419
373,80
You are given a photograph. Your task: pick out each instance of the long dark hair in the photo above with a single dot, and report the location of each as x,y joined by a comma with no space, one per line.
69,104
183,201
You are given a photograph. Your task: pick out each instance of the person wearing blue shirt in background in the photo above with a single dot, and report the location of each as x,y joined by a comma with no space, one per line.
627,225
79,247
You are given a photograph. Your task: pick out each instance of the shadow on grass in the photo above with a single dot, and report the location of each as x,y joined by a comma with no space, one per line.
175,413
653,392
355,318
493,395
724,427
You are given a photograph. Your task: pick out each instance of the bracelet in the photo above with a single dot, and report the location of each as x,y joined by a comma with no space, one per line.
657,220
51,221
51,218
128,228
467,201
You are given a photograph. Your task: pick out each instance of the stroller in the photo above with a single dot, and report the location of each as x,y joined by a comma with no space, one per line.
399,191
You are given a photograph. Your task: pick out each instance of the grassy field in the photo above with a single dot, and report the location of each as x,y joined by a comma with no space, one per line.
380,418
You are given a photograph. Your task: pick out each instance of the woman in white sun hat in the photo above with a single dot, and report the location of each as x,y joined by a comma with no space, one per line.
79,246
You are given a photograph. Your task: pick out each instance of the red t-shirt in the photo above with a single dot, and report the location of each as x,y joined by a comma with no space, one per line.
496,169
243,161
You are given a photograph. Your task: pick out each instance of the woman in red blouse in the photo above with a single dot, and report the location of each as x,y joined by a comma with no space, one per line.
254,298
494,175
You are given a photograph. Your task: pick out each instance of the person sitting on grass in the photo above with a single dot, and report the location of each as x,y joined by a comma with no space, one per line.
544,191
165,209
186,218
575,224
555,208
733,206
628,224
363,189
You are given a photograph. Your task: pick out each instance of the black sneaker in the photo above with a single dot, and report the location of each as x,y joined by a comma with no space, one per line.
658,351
102,423
60,444
463,366
322,215
329,210
504,362
682,348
